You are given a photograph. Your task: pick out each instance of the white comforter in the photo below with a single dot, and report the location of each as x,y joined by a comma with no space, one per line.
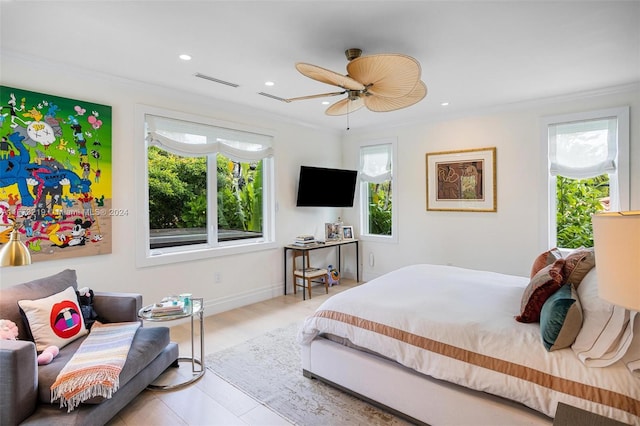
458,325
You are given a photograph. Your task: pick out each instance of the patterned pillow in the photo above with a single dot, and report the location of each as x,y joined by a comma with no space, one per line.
55,320
543,284
561,318
545,259
578,263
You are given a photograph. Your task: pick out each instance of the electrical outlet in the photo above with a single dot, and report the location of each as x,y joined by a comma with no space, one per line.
217,278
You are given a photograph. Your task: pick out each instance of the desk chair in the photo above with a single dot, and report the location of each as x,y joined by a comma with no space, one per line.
310,275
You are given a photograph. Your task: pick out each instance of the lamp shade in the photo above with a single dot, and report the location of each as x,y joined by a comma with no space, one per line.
14,252
616,238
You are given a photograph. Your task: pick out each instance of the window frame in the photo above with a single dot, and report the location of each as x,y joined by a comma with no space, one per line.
145,256
620,179
364,194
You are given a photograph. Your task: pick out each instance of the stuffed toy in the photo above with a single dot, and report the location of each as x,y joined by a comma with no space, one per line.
9,331
48,354
85,299
334,276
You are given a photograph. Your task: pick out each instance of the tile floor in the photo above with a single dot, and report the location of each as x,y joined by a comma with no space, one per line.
211,400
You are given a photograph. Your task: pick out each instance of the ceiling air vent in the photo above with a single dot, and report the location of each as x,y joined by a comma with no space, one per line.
272,96
216,80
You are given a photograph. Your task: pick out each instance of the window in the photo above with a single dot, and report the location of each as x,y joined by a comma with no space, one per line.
378,212
588,171
208,189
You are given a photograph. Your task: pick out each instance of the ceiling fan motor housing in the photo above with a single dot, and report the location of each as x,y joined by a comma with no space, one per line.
352,54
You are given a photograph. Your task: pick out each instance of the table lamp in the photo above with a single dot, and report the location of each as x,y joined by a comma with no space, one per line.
14,252
616,242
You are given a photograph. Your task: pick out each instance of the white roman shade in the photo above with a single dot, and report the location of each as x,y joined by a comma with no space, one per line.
375,163
583,149
196,139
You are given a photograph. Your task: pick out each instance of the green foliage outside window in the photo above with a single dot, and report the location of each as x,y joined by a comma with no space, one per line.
577,200
178,192
380,208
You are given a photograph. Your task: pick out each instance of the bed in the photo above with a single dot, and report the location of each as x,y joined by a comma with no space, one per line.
440,345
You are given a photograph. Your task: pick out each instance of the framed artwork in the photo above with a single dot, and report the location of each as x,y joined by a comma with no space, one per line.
347,232
332,231
55,179
462,180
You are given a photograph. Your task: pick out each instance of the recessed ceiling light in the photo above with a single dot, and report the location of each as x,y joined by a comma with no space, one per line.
325,102
444,104
269,83
185,57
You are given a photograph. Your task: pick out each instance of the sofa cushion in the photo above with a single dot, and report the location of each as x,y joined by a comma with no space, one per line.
54,320
147,344
35,289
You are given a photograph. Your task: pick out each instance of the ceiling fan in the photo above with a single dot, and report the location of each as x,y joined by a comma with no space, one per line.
382,83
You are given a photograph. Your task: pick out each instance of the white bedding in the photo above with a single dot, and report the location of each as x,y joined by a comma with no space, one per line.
458,325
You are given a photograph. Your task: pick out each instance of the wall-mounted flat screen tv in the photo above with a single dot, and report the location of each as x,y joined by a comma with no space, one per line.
324,187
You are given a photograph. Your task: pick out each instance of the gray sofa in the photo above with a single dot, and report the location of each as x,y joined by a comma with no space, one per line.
25,396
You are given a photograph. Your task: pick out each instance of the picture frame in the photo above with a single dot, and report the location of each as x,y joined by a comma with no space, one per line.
332,231
463,180
347,233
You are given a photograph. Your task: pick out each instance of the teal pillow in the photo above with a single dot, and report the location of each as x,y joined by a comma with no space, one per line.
561,318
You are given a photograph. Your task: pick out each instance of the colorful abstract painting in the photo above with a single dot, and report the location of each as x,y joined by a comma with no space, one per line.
55,174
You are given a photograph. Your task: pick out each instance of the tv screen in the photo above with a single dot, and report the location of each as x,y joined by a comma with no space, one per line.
323,187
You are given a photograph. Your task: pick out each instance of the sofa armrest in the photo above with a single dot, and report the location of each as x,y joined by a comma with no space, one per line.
19,372
117,307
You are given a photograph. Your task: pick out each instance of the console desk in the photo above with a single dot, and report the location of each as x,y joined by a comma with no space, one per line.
319,246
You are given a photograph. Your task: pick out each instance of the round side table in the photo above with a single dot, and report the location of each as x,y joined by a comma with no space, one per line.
197,310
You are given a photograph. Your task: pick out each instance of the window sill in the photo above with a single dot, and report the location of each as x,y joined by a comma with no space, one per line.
160,257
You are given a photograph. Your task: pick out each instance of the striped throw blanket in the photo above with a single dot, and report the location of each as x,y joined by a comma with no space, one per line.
94,370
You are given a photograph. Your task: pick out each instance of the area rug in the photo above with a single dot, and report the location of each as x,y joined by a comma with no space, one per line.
269,369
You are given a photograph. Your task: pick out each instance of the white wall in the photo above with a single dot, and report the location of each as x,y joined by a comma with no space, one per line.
245,278
506,241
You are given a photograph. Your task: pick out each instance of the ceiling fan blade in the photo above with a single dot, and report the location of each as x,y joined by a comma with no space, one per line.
381,104
329,77
321,95
345,106
388,75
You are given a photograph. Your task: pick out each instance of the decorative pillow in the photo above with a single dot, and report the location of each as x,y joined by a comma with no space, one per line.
85,299
55,320
607,329
561,318
578,263
543,284
545,259
631,358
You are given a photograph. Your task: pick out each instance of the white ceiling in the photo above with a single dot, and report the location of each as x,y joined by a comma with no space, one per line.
474,54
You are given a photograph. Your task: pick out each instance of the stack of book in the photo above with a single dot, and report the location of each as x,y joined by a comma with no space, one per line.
166,309
304,240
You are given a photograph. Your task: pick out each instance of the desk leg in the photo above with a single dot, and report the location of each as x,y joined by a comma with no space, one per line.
339,262
357,263
285,271
304,272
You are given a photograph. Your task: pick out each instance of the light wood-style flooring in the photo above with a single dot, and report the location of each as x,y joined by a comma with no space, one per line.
211,400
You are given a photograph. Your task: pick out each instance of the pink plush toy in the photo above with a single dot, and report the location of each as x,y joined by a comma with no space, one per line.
9,331
48,354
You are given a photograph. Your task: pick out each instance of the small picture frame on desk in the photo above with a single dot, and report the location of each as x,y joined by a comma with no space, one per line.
347,232
332,232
